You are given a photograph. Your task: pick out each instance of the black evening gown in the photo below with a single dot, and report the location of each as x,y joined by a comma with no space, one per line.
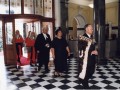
60,61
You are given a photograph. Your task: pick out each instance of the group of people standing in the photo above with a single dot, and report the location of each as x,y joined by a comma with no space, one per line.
59,49
39,48
60,52
28,42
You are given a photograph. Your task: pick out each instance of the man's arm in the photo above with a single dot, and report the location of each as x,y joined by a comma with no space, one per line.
37,43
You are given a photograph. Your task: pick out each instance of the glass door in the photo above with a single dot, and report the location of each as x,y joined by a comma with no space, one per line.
1,43
9,44
28,30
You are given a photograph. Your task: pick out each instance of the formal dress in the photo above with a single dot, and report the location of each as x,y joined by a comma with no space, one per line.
42,45
60,61
87,68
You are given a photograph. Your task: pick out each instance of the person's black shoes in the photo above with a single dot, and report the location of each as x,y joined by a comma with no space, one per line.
47,71
19,62
84,83
31,65
38,68
36,64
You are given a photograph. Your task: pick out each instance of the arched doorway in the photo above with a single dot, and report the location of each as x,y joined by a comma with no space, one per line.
78,25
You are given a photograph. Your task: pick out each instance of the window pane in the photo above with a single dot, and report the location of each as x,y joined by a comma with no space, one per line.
1,37
9,33
48,8
4,4
39,7
37,27
28,7
15,6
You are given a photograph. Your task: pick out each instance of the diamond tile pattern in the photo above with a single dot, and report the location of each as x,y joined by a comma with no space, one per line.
105,77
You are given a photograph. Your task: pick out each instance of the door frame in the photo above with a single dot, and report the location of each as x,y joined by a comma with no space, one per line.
4,21
12,18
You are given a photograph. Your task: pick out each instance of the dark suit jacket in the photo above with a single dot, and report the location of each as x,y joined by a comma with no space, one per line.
91,58
41,42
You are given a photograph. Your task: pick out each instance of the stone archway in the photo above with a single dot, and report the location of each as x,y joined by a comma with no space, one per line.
78,23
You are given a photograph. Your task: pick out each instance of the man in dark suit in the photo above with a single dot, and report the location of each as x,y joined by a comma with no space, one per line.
42,46
88,62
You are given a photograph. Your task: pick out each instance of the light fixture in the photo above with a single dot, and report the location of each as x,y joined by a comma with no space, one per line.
91,5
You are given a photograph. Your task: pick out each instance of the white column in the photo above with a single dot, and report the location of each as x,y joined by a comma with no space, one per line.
57,14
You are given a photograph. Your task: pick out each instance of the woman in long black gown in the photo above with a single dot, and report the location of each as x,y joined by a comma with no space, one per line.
60,52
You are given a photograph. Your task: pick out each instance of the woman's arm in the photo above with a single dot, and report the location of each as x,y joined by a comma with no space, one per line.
68,50
53,53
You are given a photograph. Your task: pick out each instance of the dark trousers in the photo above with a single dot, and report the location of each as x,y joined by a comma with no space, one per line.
43,59
31,55
89,73
18,50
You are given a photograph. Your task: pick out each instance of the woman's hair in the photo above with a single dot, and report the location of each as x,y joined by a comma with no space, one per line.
59,29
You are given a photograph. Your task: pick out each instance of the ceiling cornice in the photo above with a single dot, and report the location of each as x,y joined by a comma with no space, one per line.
87,2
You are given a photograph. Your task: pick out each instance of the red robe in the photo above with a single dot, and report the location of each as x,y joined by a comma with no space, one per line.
30,44
19,42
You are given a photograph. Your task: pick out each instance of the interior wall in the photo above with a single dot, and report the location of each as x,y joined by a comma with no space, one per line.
73,11
87,12
112,13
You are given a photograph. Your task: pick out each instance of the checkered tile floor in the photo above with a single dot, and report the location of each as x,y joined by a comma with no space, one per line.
27,78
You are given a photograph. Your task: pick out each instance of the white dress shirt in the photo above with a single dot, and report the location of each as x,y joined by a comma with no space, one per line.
45,36
88,35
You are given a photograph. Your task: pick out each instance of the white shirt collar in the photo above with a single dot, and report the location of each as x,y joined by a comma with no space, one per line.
88,35
45,36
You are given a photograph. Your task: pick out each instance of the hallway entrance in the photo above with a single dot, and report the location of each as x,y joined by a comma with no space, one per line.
24,24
